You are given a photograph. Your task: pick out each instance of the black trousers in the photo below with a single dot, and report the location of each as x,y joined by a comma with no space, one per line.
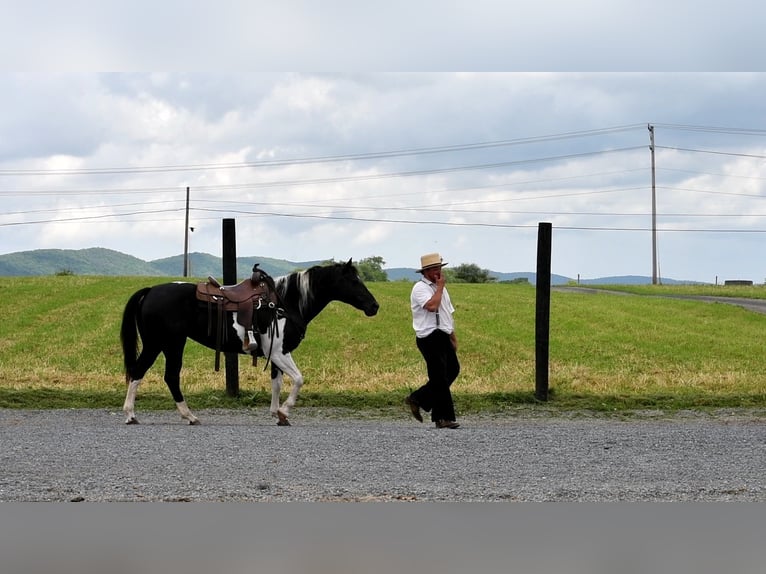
443,368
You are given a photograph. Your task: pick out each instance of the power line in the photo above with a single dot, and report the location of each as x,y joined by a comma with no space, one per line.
479,224
369,177
725,175
275,204
249,213
244,186
714,129
89,217
322,159
453,206
86,207
757,156
714,192
98,192
114,217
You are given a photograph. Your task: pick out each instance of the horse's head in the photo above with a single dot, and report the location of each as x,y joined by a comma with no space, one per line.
349,288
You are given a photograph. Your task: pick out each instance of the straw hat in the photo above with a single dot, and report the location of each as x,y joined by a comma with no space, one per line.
429,261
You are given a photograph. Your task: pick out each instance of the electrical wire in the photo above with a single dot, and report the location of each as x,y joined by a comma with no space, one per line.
323,159
757,156
429,208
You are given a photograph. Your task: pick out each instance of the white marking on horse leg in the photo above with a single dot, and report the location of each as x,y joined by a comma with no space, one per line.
130,402
288,366
276,388
186,413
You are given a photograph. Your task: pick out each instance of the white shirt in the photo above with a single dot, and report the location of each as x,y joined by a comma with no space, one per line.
423,321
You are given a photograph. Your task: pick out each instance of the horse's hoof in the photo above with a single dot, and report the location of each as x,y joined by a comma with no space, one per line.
131,421
282,422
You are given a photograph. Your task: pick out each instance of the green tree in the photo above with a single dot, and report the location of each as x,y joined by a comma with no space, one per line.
371,269
472,273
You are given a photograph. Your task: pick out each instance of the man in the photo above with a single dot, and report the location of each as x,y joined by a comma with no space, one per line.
435,337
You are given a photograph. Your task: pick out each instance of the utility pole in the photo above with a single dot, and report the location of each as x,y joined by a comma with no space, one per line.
654,209
186,237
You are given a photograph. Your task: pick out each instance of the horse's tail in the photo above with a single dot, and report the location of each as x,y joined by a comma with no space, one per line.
129,331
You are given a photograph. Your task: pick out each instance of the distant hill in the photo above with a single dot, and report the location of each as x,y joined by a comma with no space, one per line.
204,264
402,274
100,261
406,274
631,280
93,261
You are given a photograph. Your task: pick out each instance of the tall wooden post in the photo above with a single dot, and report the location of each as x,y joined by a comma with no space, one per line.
654,209
230,278
186,237
543,310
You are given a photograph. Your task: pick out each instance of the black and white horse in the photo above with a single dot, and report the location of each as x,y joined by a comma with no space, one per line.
165,315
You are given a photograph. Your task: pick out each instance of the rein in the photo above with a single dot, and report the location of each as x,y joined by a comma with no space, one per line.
273,328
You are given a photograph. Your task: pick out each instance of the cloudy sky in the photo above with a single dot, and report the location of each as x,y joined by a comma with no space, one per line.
397,164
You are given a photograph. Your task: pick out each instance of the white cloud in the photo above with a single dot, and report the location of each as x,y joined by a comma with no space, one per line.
599,185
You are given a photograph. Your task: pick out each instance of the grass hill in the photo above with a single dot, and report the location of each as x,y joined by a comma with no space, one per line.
93,261
107,262
608,352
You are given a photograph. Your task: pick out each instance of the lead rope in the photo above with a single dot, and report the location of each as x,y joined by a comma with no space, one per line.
273,329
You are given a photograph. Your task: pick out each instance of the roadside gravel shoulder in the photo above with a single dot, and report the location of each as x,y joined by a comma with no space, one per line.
340,455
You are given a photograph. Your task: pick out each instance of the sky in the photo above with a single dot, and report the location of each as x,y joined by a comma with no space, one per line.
356,163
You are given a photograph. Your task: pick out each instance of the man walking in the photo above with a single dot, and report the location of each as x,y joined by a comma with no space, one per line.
435,338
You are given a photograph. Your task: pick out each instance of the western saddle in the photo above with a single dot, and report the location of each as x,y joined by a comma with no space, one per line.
245,298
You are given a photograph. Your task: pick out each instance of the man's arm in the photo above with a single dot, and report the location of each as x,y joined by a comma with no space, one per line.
433,303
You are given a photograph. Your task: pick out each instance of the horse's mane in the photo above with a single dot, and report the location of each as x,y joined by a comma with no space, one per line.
306,290
295,289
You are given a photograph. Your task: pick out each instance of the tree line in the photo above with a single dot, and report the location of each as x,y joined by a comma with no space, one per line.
371,269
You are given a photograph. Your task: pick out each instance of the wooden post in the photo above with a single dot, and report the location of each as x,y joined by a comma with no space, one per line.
230,278
543,310
186,237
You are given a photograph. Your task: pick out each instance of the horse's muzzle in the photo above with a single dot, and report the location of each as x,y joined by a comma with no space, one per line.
372,310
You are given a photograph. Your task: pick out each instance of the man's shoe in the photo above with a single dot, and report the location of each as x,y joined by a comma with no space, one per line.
447,425
414,407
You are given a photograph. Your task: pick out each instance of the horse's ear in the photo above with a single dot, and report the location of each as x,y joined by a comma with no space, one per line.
349,263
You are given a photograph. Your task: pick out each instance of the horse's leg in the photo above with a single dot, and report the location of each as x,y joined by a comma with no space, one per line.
130,402
286,364
173,363
145,360
276,389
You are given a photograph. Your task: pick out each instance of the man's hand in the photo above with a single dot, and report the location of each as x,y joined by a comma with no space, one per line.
453,340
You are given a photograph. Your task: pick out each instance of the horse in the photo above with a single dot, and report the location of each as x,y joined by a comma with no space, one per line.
166,315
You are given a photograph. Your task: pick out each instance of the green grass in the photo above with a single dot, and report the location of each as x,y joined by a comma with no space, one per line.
59,347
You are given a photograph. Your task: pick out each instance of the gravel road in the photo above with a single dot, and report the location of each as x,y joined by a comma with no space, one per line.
90,455
754,305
